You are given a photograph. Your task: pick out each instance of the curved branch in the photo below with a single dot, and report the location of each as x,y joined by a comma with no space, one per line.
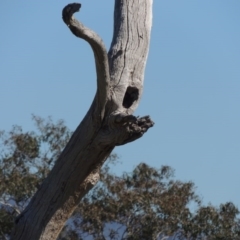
99,50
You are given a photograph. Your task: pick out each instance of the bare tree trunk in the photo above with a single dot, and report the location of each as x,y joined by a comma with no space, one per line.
108,123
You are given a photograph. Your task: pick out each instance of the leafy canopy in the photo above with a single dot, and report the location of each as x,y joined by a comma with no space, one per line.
147,203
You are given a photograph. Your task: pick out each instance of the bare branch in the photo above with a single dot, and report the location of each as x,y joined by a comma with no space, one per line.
11,206
108,122
99,50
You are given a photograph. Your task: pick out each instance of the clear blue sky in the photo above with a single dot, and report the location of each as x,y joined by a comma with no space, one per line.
192,83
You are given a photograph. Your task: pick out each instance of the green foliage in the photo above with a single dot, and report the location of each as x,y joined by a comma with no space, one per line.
147,203
25,160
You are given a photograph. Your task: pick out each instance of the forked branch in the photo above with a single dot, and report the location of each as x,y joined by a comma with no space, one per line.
108,123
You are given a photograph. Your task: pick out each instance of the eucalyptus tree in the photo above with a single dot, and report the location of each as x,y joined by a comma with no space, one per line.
146,203
108,123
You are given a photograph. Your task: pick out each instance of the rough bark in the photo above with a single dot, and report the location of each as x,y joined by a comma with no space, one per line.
108,123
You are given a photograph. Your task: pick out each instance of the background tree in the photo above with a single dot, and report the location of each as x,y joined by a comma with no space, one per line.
149,203
26,159
146,203
108,123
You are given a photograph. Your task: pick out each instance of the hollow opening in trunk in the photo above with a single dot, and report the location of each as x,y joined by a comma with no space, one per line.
131,95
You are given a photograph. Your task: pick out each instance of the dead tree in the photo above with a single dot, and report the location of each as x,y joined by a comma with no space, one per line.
108,123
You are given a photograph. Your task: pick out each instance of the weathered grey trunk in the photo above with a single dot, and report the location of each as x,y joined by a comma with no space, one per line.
108,123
